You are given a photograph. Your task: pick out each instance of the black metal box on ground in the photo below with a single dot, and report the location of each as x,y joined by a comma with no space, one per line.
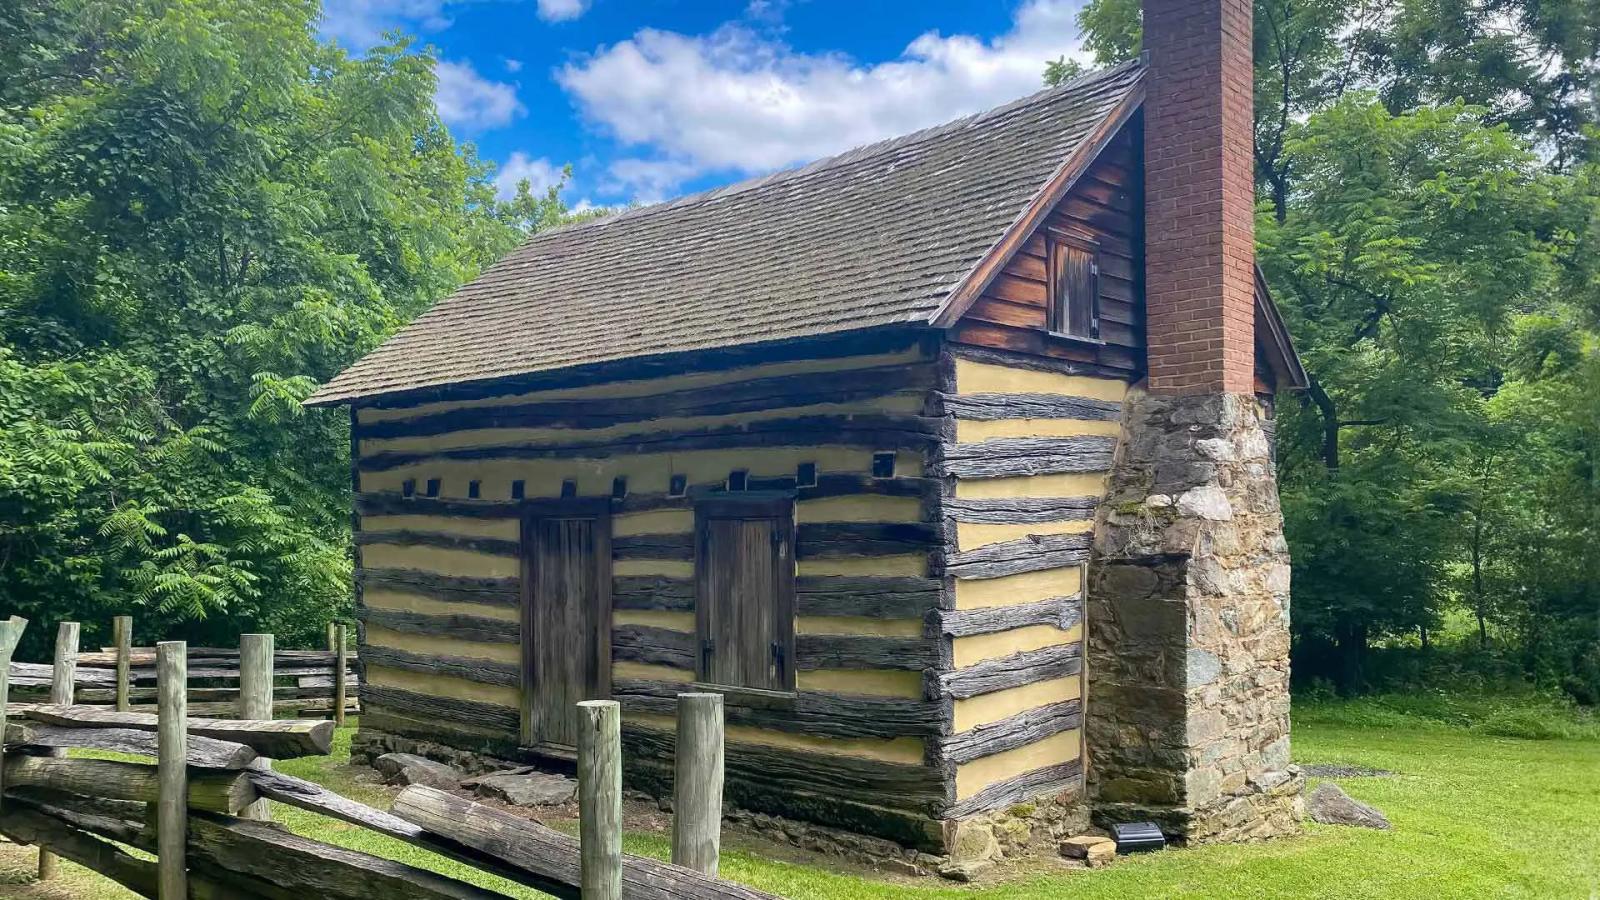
1138,837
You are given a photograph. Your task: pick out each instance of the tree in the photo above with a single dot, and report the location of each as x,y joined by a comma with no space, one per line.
204,213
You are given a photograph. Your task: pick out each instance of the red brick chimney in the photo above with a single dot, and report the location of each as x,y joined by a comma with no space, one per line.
1199,196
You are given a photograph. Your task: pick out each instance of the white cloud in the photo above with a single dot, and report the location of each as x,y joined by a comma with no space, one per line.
562,10
472,102
540,173
738,101
512,65
360,24
647,180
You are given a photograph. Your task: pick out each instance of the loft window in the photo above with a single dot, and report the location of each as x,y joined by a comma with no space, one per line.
408,488
1073,286
806,475
474,490
883,464
619,487
518,489
569,489
738,480
433,487
678,485
744,592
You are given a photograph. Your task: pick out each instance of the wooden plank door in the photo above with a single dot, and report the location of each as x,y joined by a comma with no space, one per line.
744,606
566,618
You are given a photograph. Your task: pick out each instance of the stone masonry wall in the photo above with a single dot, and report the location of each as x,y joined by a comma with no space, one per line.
1188,612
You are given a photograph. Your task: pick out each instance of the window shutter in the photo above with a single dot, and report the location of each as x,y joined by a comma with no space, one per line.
1074,289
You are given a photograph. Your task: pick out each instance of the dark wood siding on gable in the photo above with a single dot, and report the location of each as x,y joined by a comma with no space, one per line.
744,596
1104,206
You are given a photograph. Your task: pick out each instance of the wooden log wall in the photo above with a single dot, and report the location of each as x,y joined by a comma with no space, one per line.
439,538
1018,526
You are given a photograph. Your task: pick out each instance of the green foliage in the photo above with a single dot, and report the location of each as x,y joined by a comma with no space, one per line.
204,213
1430,225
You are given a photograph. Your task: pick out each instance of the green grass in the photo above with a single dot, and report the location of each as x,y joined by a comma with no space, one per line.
1476,814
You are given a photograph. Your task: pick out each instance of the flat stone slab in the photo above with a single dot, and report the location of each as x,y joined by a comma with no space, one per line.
527,788
1330,805
1337,770
409,768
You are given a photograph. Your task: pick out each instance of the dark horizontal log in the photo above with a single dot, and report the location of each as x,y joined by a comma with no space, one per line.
785,770
878,432
1012,671
880,596
874,596
1011,732
482,671
499,743
408,538
391,504
806,712
211,789
452,588
885,339
1003,457
654,646
1039,363
550,855
829,484
313,869
993,407
1020,510
425,706
1018,789
831,540
653,546
202,752
1062,612
820,540
1033,553
466,628
849,651
280,739
652,592
756,395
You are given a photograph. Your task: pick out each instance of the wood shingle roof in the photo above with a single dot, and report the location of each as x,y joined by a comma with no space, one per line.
873,237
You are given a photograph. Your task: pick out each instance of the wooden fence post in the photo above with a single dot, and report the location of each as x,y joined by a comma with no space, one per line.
255,700
172,739
332,635
341,658
122,639
600,799
697,784
63,675
10,632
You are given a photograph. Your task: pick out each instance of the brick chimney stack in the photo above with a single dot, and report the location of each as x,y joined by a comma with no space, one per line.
1187,710
1200,196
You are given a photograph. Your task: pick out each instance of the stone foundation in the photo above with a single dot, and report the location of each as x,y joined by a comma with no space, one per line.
1188,617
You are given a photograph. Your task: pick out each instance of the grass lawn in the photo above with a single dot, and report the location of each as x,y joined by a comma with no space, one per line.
1475,815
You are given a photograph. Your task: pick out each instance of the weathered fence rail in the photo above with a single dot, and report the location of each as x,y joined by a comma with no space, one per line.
200,805
124,676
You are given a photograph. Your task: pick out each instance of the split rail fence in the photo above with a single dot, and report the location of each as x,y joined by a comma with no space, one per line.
203,809
125,676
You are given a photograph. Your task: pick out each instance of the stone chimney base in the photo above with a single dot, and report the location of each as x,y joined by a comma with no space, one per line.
1188,617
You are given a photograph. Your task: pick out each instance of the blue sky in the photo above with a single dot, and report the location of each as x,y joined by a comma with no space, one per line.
650,99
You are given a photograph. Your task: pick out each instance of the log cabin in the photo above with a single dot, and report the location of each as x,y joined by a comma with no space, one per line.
891,450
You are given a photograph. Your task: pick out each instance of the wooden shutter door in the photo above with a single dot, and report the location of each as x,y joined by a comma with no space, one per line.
744,609
566,623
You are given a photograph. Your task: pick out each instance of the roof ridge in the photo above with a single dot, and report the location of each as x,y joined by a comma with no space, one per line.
844,157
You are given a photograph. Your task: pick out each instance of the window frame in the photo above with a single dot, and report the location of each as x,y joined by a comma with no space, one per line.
779,505
1056,306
